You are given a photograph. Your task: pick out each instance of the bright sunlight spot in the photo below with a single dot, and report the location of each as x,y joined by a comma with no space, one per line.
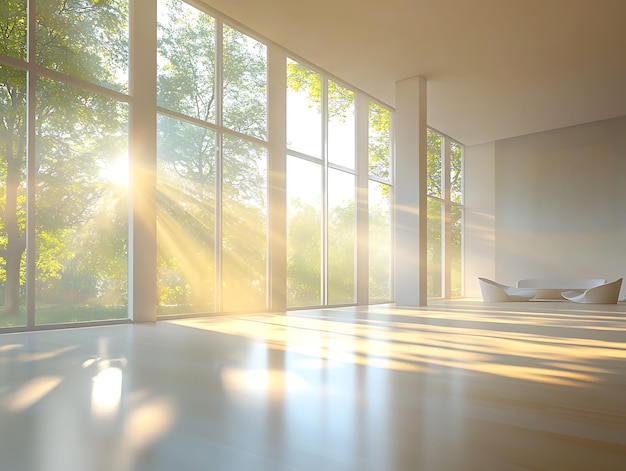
106,392
116,172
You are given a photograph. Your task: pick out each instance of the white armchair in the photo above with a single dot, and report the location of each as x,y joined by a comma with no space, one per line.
607,293
495,292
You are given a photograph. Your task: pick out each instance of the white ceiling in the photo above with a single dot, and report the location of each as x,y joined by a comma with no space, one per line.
494,68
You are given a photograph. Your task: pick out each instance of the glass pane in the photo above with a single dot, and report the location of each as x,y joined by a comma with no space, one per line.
304,229
304,112
341,237
86,39
433,162
456,251
456,172
186,60
185,217
245,84
81,205
341,126
379,142
435,249
244,226
379,242
12,195
13,25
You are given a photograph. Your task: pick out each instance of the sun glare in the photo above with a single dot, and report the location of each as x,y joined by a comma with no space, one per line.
116,171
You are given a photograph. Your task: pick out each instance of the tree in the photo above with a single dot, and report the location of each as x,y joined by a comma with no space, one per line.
12,215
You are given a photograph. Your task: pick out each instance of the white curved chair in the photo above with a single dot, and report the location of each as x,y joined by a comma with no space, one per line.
607,293
495,292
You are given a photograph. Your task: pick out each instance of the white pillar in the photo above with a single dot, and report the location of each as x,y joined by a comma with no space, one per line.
142,298
410,192
277,253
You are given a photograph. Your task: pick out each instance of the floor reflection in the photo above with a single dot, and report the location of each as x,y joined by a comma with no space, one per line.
451,387
106,393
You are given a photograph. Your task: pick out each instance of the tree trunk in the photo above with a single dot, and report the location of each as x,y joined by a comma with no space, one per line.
16,242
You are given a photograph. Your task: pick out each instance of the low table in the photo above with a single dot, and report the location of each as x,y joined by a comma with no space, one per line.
551,288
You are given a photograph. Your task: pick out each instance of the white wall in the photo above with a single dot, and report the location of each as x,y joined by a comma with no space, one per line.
560,203
479,191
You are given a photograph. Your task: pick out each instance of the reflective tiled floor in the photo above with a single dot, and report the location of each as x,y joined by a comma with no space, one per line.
455,386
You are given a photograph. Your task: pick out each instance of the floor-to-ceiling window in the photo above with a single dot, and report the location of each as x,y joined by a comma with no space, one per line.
63,161
67,114
379,203
212,164
445,216
305,178
321,189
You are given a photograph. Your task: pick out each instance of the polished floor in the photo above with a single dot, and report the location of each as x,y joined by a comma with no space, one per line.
455,386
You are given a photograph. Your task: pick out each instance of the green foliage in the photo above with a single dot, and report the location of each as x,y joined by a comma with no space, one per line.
85,38
379,242
341,252
434,159
379,146
13,24
244,84
186,53
434,239
304,254
301,78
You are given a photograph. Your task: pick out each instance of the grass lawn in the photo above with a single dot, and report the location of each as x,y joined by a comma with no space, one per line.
58,314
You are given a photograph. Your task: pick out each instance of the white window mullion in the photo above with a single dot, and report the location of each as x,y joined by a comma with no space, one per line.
446,226
277,181
219,162
31,169
324,228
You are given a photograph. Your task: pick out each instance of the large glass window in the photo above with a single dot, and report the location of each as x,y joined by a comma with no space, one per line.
13,21
445,216
244,225
456,219
456,250
316,108
341,126
81,205
187,160
341,195
85,39
211,185
12,195
66,118
304,110
434,243
64,221
244,84
186,58
380,239
304,232
186,204
341,237
380,242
